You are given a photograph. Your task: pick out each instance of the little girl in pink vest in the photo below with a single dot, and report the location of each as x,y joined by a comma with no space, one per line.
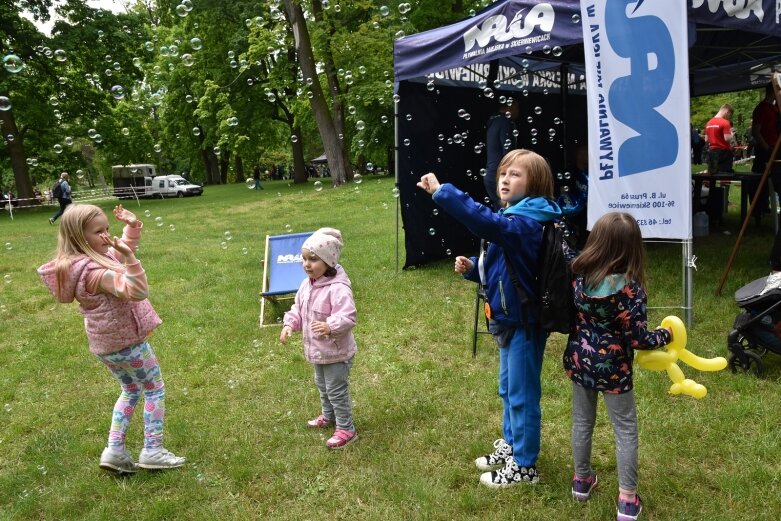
104,276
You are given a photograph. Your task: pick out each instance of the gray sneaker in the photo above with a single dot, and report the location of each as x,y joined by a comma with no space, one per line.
161,459
121,463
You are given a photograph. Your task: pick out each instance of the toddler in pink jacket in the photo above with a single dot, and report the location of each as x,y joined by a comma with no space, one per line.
102,273
324,311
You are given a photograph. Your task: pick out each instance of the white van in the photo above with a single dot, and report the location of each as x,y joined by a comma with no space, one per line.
140,181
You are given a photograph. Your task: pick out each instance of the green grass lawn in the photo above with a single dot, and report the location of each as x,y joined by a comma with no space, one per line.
238,401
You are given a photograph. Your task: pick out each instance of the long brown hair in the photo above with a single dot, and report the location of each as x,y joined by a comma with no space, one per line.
539,181
71,242
615,245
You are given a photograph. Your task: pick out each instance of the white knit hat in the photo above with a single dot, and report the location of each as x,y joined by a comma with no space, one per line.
326,243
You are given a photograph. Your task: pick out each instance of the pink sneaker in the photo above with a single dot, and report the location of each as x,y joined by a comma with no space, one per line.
321,422
341,439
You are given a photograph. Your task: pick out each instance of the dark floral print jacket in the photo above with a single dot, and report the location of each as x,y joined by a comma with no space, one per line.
608,329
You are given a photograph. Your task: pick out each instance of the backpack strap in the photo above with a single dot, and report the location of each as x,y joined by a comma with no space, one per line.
526,304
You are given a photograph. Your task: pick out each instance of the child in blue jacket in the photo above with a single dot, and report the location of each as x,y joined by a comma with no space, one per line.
525,188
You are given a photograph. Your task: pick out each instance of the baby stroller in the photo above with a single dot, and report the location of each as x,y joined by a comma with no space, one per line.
757,328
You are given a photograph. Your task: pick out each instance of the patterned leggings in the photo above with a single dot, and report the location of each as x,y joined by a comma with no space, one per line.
136,369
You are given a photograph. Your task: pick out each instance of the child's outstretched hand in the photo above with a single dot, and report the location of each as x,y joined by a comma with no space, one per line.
125,216
118,244
285,334
429,183
463,265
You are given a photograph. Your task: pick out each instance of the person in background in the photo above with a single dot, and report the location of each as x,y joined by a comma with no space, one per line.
611,323
499,139
697,145
64,198
718,136
764,129
256,177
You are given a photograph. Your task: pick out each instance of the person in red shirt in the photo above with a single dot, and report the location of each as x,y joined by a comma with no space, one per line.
718,134
764,128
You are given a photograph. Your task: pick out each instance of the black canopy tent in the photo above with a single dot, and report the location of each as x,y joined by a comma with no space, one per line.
444,73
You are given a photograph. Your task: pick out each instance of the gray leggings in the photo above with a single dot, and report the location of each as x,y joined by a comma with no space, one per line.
623,416
332,380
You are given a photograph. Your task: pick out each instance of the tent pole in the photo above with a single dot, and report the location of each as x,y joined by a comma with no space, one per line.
564,90
396,170
688,280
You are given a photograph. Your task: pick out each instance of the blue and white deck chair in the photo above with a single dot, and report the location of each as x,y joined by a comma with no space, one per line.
282,272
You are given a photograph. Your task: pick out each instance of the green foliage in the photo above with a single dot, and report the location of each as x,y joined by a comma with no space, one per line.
703,108
237,401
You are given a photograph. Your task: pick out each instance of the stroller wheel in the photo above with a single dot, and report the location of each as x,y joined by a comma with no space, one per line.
744,360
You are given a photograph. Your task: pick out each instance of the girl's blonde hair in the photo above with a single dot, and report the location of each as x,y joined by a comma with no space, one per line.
71,242
615,245
539,181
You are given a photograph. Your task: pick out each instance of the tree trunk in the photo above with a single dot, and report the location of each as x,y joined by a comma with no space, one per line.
299,165
224,164
239,169
15,147
337,107
210,166
325,123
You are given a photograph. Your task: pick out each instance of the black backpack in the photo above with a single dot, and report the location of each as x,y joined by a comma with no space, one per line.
555,309
57,190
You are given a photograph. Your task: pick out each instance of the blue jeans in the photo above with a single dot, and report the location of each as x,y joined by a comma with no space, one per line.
63,204
520,365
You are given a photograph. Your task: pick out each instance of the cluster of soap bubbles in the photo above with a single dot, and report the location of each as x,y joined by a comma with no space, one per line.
184,8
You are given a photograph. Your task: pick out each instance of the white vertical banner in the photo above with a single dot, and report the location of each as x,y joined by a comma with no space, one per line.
637,72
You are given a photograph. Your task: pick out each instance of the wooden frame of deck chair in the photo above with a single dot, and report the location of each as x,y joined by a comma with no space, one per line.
282,272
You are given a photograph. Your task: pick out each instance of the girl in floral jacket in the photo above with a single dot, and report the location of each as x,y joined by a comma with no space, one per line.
610,324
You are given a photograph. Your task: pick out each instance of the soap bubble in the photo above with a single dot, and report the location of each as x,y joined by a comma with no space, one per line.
60,55
395,192
7,278
432,231
224,245
576,18
233,121
9,246
157,148
159,221
245,250
357,179
288,228
147,213
360,125
228,236
125,131
117,92
57,148
216,151
384,11
294,138
181,10
5,103
196,44
538,110
196,131
188,60
251,183
318,186
13,63
171,227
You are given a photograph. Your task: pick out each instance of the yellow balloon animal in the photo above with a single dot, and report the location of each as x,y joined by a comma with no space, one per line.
666,361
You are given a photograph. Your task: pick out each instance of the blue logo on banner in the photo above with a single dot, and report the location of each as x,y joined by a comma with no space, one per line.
647,43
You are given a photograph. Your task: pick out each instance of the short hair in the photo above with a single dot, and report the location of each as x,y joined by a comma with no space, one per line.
615,245
726,107
539,182
64,175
